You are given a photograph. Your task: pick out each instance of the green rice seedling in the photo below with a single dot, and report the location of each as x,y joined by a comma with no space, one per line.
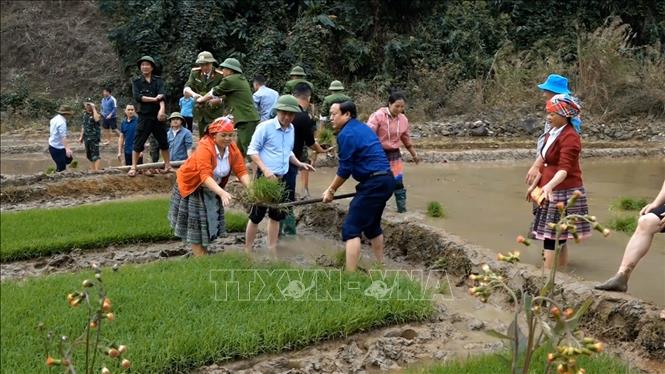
266,191
50,170
434,209
178,315
628,203
74,164
626,224
326,136
235,221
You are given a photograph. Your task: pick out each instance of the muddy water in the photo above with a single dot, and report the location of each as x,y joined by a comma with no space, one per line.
31,163
484,204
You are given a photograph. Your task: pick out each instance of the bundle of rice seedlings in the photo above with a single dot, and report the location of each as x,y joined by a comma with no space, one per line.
326,136
434,209
265,191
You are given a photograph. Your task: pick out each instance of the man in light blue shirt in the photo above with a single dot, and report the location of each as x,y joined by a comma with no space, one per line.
57,140
180,138
264,97
108,109
271,149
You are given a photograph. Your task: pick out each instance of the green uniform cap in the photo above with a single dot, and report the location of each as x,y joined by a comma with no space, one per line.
297,70
176,115
233,64
336,86
146,58
288,103
65,109
205,57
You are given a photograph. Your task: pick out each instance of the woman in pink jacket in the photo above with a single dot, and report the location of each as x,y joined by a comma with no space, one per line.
392,127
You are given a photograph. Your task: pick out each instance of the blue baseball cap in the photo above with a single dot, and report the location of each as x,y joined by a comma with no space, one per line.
555,83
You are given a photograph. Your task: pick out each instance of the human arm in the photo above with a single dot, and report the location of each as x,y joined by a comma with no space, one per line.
329,193
259,164
189,143
115,106
161,114
121,143
188,90
534,170
301,165
226,197
95,114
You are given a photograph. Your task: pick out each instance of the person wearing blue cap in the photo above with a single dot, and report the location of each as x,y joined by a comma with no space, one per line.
555,84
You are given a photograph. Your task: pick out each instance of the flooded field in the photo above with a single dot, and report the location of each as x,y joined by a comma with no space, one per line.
484,203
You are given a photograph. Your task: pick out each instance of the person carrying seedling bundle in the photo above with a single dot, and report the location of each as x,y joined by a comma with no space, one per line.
392,127
304,126
91,134
271,149
360,156
198,199
554,85
561,179
57,140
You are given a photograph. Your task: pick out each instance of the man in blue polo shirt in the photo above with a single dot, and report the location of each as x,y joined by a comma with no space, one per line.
271,149
360,156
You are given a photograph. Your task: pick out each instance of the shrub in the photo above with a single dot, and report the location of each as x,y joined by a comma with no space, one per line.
631,203
434,209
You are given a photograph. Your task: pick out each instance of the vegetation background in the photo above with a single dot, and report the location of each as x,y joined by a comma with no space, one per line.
450,57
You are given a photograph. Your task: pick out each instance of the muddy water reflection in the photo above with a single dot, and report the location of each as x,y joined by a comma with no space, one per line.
484,204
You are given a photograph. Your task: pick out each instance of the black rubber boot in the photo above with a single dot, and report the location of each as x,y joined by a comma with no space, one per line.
400,200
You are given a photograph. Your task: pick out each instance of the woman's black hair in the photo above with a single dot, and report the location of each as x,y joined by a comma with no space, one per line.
348,107
396,95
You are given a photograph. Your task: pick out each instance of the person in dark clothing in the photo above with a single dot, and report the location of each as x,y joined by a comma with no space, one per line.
148,91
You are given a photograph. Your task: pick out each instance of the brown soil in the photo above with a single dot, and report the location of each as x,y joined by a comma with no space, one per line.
38,38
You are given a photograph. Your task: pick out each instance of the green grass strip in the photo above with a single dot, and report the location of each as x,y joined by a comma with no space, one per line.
168,316
500,363
42,232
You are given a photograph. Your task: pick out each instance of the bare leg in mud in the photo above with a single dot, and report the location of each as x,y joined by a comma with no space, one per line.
563,259
638,246
199,250
353,251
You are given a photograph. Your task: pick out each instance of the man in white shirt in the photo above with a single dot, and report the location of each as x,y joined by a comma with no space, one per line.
57,141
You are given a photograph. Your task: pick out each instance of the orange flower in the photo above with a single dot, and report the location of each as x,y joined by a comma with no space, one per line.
106,304
598,347
122,349
110,316
93,324
522,240
555,312
560,205
113,352
577,193
551,357
568,313
126,364
50,361
106,371
606,232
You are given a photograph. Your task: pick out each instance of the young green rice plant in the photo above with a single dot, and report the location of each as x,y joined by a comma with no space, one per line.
626,224
235,221
630,203
74,164
50,170
96,302
434,209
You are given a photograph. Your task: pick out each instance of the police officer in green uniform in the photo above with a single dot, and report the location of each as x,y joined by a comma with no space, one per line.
337,96
297,76
201,80
237,97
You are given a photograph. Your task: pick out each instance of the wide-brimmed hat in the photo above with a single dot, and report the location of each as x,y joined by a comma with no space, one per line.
336,86
146,58
233,64
555,83
65,109
298,71
205,57
287,103
176,115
